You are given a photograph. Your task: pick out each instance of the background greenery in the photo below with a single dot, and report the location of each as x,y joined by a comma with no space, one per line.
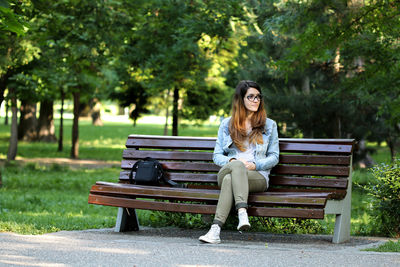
328,69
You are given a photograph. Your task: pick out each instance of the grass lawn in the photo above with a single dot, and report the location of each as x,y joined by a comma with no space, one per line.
389,246
102,143
35,200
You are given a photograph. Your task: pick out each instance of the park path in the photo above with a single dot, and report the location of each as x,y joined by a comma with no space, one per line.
176,247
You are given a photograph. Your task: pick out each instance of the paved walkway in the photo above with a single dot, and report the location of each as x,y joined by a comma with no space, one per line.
176,247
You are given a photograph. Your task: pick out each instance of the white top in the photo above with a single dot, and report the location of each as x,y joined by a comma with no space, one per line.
249,155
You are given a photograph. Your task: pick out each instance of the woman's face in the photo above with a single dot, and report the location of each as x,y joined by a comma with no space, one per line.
252,99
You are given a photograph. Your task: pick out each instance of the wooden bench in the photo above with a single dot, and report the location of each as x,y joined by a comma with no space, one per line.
313,178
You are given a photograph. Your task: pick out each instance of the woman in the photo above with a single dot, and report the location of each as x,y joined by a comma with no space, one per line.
247,148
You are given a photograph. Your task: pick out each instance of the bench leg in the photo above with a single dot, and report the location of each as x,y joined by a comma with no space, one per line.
343,219
127,220
342,227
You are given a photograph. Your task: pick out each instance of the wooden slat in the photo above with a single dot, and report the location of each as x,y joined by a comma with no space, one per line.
181,177
170,138
350,142
314,159
189,143
279,169
332,193
207,156
286,212
288,140
315,148
201,208
309,182
311,170
274,180
200,195
293,145
167,155
151,205
181,166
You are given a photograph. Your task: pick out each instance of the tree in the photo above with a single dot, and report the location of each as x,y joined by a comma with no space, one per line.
12,148
10,22
15,50
83,43
132,92
173,58
16,53
327,65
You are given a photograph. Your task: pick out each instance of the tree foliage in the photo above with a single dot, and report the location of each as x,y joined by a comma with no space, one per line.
327,68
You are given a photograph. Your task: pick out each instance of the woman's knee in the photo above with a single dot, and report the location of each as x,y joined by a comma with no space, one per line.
236,164
225,181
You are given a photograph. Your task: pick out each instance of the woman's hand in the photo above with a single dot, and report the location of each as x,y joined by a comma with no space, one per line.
249,165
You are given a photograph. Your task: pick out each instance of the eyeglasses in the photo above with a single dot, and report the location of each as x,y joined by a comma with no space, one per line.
254,98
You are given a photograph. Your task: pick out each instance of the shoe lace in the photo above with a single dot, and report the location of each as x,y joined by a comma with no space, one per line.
242,215
214,230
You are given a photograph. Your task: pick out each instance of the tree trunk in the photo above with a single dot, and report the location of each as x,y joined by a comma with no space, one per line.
7,109
2,95
337,130
121,110
166,113
84,110
393,144
3,84
75,127
46,122
28,123
95,112
337,127
362,157
61,134
12,148
175,113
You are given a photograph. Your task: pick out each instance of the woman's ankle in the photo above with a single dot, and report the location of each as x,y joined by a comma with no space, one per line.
242,210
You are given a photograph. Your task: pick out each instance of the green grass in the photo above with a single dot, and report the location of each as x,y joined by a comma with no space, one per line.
381,153
102,143
36,200
389,246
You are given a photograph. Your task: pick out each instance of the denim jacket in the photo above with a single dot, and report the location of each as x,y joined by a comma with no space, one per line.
267,154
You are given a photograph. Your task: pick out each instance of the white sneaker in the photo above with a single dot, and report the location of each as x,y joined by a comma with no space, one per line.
212,236
243,221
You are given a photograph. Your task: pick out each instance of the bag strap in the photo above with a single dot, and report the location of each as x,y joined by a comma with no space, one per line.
134,168
169,181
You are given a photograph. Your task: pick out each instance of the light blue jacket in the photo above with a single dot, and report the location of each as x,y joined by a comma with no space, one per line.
267,154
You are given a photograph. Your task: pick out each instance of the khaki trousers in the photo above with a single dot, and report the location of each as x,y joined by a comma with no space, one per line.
236,182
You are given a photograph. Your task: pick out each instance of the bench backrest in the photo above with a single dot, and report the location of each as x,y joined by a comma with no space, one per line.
305,164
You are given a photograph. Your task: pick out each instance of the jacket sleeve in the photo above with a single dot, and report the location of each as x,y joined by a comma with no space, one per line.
219,156
272,156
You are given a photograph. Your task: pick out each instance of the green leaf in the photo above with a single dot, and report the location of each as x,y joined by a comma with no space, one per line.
4,3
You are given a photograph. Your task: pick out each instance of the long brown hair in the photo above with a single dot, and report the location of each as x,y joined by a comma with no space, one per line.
237,126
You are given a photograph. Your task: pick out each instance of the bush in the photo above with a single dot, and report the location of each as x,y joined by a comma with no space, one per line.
385,205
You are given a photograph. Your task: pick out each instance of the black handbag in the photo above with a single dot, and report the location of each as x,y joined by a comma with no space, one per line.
150,172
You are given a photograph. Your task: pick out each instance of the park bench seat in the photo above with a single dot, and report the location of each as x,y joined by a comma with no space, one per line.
313,178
